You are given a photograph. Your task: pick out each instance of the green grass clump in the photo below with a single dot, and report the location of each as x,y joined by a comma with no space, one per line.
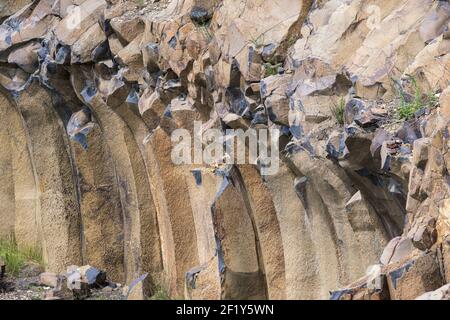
257,42
338,111
204,29
271,69
161,294
140,3
407,110
291,41
15,258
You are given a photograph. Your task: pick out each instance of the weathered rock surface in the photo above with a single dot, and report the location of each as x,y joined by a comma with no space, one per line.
2,268
92,90
442,293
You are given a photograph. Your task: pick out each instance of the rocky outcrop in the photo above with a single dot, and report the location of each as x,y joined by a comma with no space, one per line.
92,92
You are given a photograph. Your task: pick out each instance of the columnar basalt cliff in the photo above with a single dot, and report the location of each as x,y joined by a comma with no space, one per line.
92,90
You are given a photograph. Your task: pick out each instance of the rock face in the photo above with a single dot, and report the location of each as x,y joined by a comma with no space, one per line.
93,92
2,268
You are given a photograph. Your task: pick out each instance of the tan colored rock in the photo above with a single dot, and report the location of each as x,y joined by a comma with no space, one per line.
59,215
445,103
435,22
18,180
82,50
66,6
446,258
300,258
442,293
30,23
361,216
236,122
415,184
151,107
268,230
196,40
131,57
141,235
436,164
203,282
135,289
9,7
424,233
398,250
49,279
392,37
274,91
242,278
127,29
150,54
222,71
259,26
26,57
429,71
421,151
81,18
364,290
118,9
415,277
339,38
178,238
100,207
13,79
7,186
443,223
114,44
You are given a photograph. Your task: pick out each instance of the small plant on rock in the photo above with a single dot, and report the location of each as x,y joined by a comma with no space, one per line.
407,110
409,107
338,111
161,294
16,257
257,42
140,3
204,29
291,41
271,68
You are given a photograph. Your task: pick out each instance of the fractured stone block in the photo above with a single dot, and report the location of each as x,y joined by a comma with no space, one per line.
415,277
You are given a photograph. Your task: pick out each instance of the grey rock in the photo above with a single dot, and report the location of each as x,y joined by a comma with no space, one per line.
200,15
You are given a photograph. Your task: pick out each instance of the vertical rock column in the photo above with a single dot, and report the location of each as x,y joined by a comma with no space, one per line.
27,219
60,212
100,207
239,255
175,216
130,169
7,202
